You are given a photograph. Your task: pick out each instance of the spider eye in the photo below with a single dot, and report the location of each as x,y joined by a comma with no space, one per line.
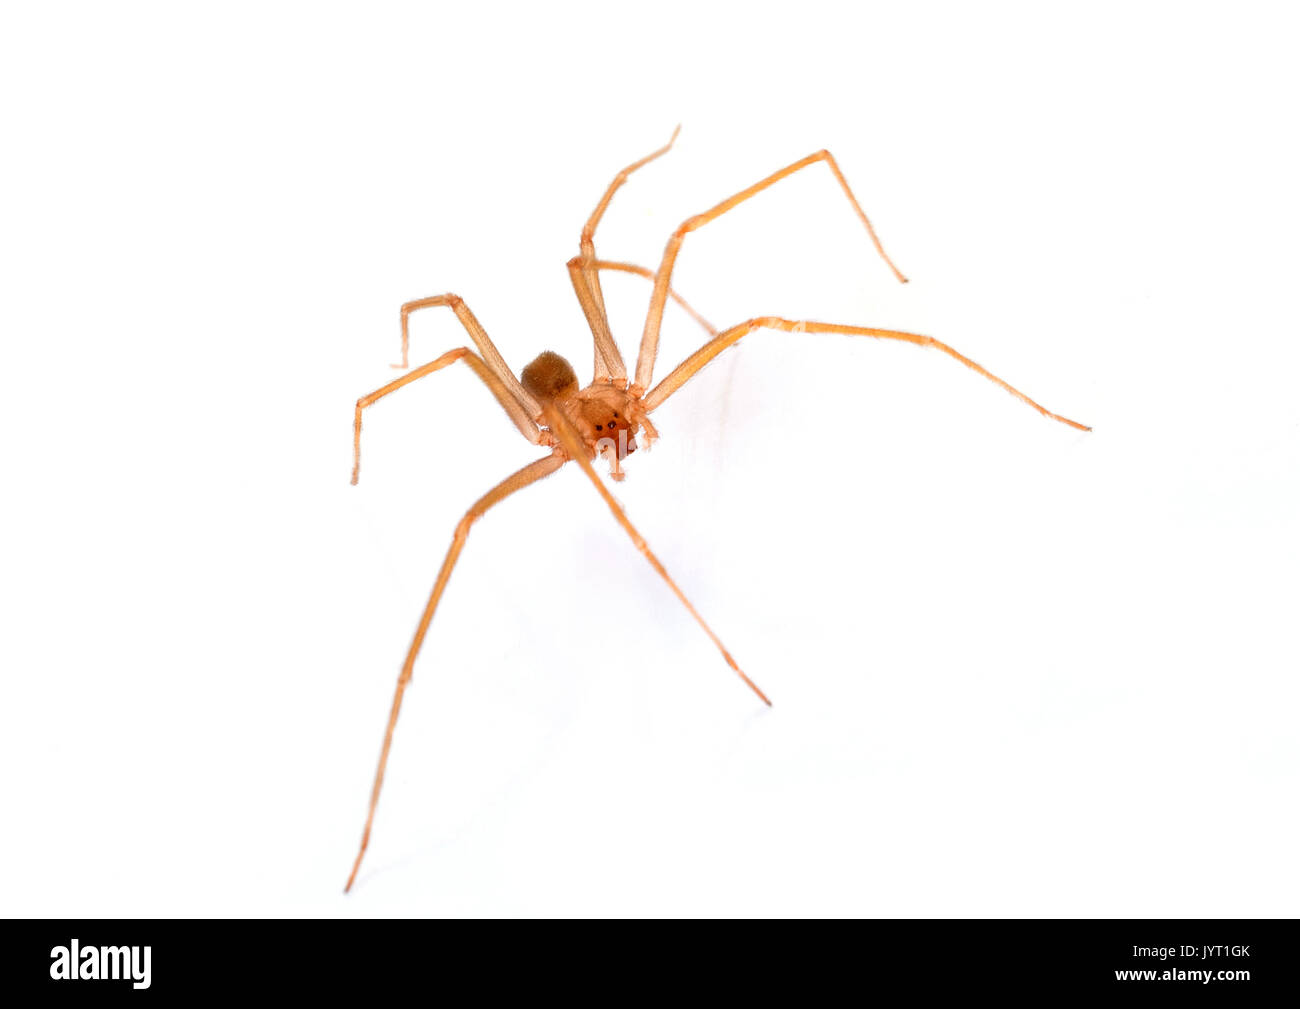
598,427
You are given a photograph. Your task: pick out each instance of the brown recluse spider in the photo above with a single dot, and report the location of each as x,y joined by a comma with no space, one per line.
603,420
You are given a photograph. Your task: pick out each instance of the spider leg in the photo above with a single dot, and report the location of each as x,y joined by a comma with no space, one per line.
517,411
486,348
587,242
572,445
684,371
654,316
608,362
517,481
609,365
641,271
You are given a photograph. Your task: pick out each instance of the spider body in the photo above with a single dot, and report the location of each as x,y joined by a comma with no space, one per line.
604,419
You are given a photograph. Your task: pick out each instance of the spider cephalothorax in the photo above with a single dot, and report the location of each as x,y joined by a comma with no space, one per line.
578,425
605,415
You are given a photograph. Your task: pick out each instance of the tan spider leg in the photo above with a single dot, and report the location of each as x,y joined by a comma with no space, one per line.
608,361
609,365
529,474
645,363
572,444
587,242
518,413
491,356
641,271
684,371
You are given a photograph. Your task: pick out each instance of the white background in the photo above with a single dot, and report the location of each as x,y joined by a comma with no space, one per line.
1017,669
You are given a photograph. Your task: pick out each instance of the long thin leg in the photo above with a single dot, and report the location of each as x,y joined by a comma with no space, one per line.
684,371
609,365
517,481
491,356
517,411
587,242
645,363
586,277
607,361
641,271
573,446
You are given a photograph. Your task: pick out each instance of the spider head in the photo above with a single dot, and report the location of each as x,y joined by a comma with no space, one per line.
606,417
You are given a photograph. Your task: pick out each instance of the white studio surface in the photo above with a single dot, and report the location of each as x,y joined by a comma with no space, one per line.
1017,670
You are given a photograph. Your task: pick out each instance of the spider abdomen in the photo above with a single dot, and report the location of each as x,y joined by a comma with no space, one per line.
549,377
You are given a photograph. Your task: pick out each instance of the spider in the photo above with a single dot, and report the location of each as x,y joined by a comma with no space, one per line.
605,419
